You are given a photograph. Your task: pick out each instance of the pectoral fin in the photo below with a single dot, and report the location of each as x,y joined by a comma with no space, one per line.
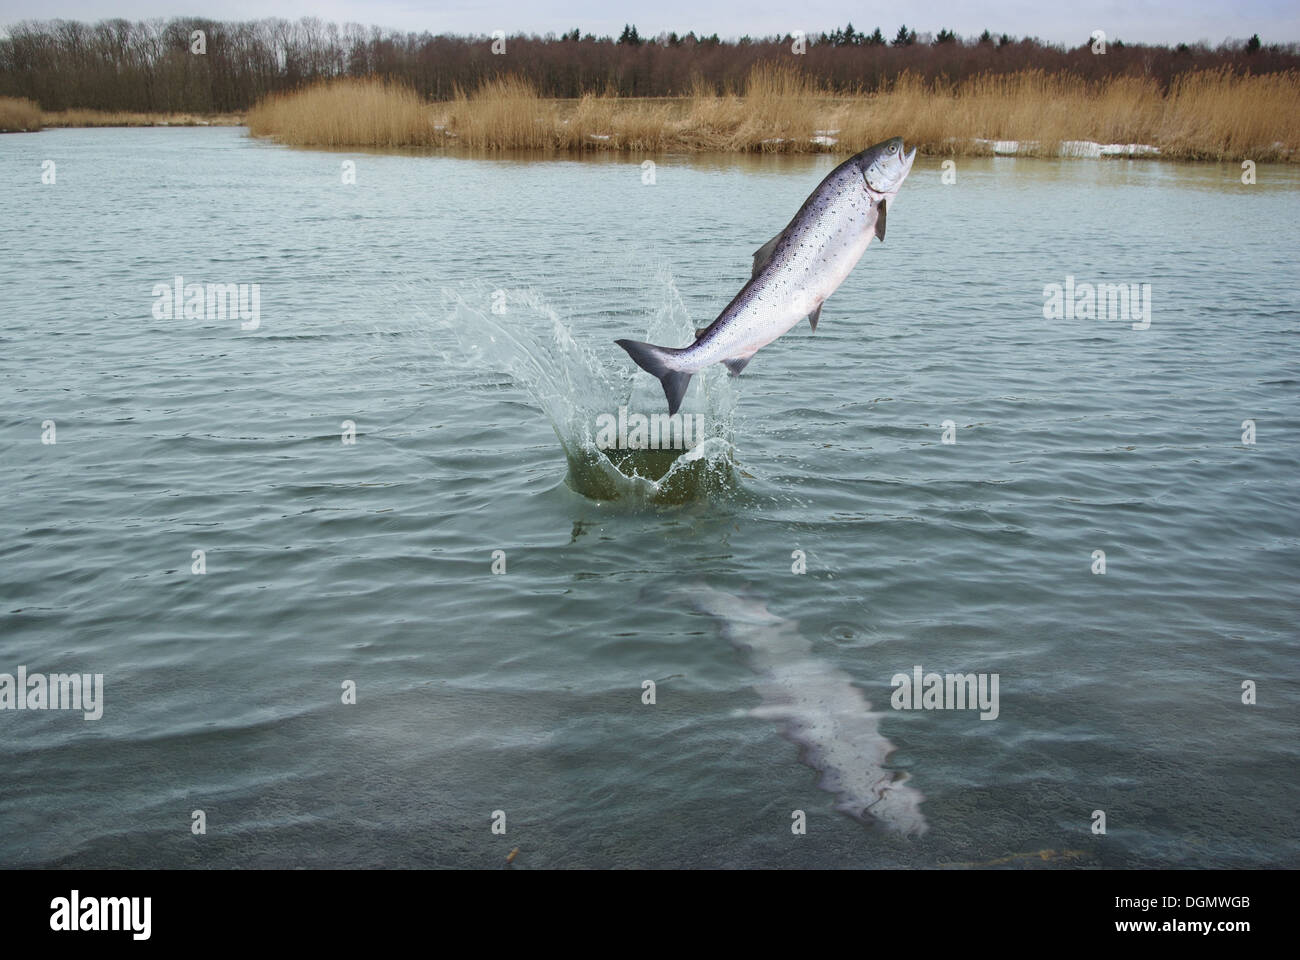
815,316
764,254
880,220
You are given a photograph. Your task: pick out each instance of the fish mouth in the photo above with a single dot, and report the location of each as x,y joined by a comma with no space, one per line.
904,162
885,175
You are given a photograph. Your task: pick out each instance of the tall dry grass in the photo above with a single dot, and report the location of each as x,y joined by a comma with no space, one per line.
345,113
121,118
19,115
1038,109
613,123
776,110
1216,114
504,113
1213,115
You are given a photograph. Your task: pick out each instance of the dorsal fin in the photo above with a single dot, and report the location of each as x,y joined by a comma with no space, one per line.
701,331
764,254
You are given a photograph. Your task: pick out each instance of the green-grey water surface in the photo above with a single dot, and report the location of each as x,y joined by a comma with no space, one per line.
460,311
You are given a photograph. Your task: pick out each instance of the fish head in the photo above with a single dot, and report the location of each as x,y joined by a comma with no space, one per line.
885,166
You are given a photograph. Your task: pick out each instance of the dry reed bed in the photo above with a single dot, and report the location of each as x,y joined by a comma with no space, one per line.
18,115
1217,115
346,113
25,115
119,118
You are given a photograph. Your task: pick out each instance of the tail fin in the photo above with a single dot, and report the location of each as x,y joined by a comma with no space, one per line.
652,359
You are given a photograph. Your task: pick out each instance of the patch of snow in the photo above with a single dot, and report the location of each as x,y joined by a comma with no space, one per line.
1078,149
1128,150
1003,148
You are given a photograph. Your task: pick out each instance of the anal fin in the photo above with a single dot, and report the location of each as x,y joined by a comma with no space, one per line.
737,364
815,316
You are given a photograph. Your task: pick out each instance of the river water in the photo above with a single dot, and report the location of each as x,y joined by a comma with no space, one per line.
391,475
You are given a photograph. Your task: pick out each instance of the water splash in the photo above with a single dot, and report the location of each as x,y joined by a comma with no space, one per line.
517,333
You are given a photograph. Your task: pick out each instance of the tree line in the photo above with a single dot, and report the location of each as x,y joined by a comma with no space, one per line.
157,65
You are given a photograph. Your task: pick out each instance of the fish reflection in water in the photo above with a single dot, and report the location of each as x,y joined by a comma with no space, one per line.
821,710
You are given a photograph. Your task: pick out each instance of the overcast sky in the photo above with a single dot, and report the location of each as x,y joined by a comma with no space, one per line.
1157,21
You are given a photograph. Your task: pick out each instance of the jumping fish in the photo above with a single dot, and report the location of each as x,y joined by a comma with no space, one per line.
793,273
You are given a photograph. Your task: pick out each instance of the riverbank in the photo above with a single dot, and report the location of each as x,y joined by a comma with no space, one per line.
105,118
18,115
1209,115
